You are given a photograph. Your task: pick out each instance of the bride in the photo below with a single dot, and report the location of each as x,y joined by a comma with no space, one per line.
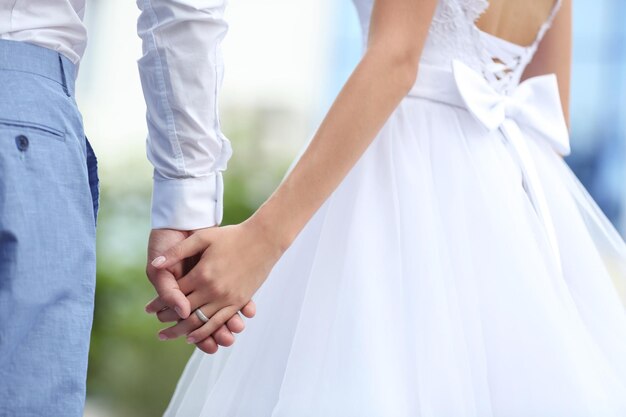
430,253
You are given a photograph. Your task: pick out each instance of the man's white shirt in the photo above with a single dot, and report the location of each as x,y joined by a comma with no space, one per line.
181,73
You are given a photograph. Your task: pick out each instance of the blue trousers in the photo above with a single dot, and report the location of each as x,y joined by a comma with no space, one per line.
48,206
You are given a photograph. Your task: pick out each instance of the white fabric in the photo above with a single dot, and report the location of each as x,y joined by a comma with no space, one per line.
535,104
181,72
54,24
426,285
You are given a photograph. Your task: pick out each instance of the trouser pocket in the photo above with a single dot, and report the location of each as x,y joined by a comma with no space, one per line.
94,182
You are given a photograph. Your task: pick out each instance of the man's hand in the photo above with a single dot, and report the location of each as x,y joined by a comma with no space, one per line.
235,261
165,280
173,304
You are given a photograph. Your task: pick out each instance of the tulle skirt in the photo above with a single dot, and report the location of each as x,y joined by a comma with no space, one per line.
425,286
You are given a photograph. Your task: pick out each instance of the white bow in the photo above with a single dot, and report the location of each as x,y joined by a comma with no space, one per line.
533,106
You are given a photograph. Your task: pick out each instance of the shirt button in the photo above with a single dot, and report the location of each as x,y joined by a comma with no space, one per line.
22,142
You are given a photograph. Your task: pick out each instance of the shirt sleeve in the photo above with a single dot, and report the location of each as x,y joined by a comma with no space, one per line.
181,72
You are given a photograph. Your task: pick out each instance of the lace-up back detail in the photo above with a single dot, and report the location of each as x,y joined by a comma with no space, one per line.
454,34
504,61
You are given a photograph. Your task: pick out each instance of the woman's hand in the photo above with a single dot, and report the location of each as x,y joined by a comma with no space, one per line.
237,259
234,262
165,282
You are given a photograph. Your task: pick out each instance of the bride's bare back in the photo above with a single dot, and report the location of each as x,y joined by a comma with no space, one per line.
520,22
515,21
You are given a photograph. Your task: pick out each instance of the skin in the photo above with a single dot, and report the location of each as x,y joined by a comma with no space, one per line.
554,55
165,282
515,21
222,280
518,23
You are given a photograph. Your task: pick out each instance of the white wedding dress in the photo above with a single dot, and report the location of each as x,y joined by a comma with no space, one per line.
459,270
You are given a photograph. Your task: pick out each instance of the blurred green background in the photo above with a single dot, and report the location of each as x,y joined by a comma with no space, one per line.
132,373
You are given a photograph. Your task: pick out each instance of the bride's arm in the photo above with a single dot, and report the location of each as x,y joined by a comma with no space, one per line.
239,258
554,54
382,78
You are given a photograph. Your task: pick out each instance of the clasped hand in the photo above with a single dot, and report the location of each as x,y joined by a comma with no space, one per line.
216,270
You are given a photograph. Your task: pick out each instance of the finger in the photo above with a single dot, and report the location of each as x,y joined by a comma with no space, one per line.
185,285
167,315
186,326
155,305
191,246
199,299
182,328
218,319
223,336
208,345
235,324
188,282
249,310
169,293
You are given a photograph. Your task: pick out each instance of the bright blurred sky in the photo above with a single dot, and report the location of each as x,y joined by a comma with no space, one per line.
599,72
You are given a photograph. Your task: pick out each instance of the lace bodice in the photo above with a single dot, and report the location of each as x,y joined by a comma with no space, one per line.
453,34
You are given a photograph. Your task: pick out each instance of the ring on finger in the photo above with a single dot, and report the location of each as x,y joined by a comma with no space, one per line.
203,318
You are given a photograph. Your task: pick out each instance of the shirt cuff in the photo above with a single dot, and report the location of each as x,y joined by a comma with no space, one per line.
188,203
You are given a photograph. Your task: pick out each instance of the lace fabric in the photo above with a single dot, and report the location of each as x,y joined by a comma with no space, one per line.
453,34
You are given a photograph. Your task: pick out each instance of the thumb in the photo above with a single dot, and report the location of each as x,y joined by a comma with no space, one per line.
180,251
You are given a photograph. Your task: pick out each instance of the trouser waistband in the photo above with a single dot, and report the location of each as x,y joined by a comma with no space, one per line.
34,59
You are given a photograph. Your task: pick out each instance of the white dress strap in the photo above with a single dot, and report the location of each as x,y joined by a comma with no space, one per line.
547,24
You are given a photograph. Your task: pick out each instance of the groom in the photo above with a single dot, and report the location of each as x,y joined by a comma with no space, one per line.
49,184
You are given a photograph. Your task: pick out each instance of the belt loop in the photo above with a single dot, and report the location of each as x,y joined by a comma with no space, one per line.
63,77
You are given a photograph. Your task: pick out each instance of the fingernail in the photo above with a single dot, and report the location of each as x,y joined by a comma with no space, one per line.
191,340
178,311
158,261
162,336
